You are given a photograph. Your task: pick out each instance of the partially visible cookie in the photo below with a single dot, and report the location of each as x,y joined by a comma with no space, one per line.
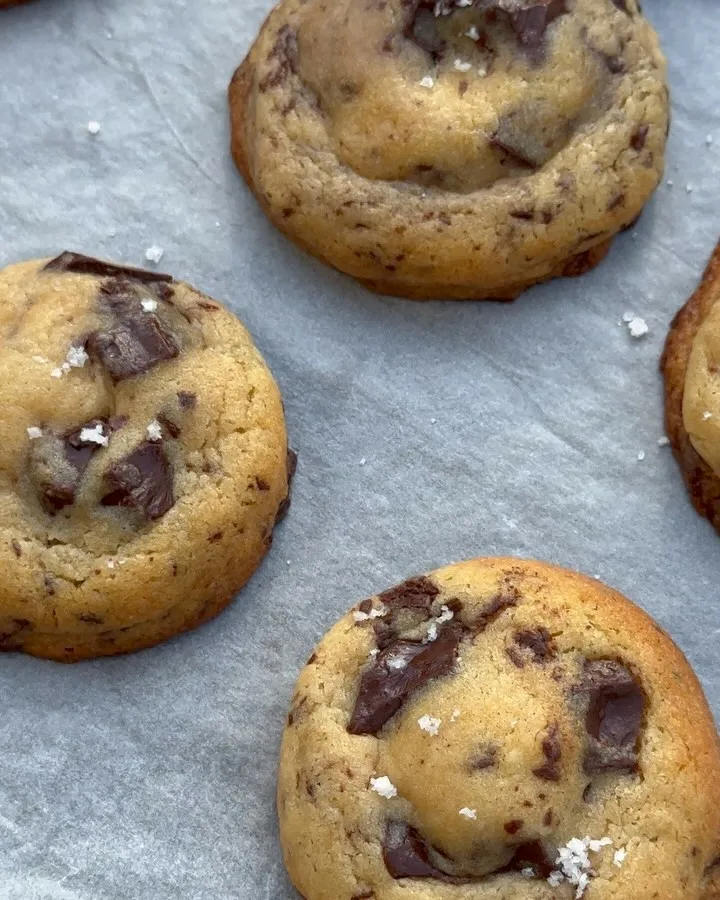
691,367
500,729
452,148
143,460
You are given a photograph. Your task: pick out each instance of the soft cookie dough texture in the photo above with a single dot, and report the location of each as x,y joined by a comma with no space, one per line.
143,458
459,736
691,365
452,148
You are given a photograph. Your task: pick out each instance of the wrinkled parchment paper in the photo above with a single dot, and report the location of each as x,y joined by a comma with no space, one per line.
427,433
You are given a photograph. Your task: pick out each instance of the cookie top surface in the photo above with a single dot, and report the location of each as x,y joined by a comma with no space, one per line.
432,128
461,735
138,421
701,397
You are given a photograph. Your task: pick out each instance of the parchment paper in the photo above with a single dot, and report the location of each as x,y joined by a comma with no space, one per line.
427,433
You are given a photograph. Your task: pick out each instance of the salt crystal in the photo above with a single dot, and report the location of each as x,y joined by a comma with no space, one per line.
384,787
462,66
363,461
628,317
455,715
93,127
638,327
426,82
445,615
56,373
641,456
670,182
154,431
663,441
709,139
468,813
34,432
619,856
689,188
76,357
396,664
429,724
94,435
431,633
473,33
707,415
110,564
39,359
149,305
154,254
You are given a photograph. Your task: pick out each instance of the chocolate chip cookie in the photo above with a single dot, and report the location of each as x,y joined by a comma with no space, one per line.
452,148
690,364
143,460
500,729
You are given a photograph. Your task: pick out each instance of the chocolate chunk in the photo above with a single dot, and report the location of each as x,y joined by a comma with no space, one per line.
142,480
519,141
187,400
552,751
548,818
135,342
485,759
292,459
406,853
415,593
495,608
526,214
513,826
17,549
538,641
614,717
531,855
384,687
639,137
57,464
531,22
87,265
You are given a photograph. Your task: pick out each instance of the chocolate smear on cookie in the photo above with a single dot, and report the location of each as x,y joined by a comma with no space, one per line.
142,480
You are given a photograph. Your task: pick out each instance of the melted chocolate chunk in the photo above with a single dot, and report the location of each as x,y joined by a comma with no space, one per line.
531,855
283,58
87,265
495,608
406,853
552,751
135,342
538,641
57,465
168,425
513,826
292,459
142,480
531,21
639,137
485,759
614,717
415,593
384,687
187,400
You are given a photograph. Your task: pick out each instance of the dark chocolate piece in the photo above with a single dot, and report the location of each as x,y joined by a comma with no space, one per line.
292,459
187,400
406,853
142,480
552,751
615,711
639,137
58,464
88,265
513,826
415,593
384,688
495,608
135,342
485,759
538,641
531,23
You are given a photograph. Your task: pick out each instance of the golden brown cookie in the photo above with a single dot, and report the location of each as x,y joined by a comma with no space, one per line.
691,367
143,460
452,148
500,729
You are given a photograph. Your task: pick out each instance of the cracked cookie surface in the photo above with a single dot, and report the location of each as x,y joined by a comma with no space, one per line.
143,459
500,729
452,148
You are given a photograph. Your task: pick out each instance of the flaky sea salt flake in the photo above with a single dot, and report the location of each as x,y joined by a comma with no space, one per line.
445,615
663,441
455,715
462,66
468,813
154,254
148,304
707,415
426,82
429,724
94,435
93,127
638,327
384,787
76,357
641,456
34,432
473,33
619,857
154,431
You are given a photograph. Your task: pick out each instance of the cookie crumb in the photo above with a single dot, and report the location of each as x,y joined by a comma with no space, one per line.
148,304
468,813
619,857
663,441
641,456
33,432
461,66
93,127
154,431
384,787
426,82
94,435
429,724
154,254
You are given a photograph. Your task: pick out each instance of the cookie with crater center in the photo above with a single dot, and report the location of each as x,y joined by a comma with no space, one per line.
452,148
143,460
500,729
691,367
